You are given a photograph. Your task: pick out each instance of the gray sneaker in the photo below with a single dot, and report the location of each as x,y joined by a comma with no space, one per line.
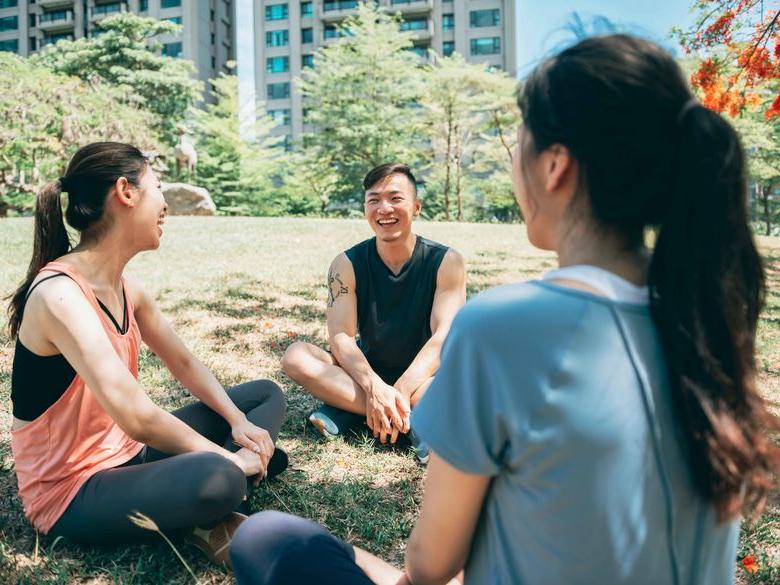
332,422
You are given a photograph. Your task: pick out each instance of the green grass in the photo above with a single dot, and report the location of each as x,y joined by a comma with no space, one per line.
239,291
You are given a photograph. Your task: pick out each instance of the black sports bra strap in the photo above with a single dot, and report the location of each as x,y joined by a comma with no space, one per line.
32,288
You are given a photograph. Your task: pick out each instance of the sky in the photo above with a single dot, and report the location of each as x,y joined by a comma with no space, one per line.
540,27
541,23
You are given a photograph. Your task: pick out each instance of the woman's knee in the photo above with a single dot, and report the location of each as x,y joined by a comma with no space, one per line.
219,484
269,545
295,359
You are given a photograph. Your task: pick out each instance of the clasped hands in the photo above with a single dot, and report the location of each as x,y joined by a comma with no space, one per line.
257,447
387,412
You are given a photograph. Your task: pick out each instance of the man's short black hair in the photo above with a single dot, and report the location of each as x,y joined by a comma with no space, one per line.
378,173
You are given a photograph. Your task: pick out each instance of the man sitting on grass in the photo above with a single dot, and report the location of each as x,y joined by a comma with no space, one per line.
391,300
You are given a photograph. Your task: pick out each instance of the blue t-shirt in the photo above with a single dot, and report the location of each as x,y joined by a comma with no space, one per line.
562,397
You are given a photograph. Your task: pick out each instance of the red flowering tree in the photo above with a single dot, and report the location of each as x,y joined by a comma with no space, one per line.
739,42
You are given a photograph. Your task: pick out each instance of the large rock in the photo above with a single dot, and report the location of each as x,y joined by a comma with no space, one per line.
184,199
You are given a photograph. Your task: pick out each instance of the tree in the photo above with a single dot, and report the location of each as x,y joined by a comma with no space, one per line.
741,43
236,170
360,96
47,117
470,123
125,56
762,144
309,182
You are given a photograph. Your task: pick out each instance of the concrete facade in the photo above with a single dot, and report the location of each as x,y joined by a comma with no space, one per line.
208,35
289,31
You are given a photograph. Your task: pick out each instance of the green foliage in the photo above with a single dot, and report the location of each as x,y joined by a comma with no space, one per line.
47,117
761,141
236,153
361,95
125,55
469,122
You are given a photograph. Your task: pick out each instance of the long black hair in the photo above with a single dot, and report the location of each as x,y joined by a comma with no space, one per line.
650,155
92,171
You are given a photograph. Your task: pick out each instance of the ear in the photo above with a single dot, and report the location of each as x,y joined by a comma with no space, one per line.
560,168
417,206
124,193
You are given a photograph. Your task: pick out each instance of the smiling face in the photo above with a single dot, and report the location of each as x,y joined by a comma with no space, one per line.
148,213
390,206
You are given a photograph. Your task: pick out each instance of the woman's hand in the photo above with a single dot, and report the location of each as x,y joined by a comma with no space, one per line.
249,462
250,436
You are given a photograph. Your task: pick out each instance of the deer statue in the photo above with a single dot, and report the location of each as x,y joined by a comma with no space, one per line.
184,153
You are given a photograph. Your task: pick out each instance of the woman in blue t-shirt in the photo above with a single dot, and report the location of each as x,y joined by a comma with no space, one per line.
601,424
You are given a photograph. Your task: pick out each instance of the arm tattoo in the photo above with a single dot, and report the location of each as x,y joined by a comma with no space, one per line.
336,287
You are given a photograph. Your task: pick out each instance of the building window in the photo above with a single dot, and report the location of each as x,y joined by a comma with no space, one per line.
9,23
10,45
307,35
172,49
281,117
9,3
331,5
106,8
175,20
276,12
307,9
212,15
170,3
415,24
51,39
277,38
307,61
486,46
213,62
278,91
419,50
31,19
480,18
332,32
277,64
447,22
143,5
33,42
448,48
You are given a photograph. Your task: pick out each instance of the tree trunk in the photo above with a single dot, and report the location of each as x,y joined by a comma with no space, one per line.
458,163
448,159
765,191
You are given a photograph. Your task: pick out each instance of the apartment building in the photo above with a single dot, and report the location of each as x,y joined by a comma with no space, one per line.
287,32
207,37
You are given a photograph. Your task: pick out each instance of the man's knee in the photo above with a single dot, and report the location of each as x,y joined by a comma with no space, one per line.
296,359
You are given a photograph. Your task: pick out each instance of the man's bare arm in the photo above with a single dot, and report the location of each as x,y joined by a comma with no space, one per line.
381,409
449,298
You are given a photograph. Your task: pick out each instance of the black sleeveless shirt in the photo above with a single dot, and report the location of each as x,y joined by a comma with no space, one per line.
394,310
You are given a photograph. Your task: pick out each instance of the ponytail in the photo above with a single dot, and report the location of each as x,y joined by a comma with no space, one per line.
50,241
707,289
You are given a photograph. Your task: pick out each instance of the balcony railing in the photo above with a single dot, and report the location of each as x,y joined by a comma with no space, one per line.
54,20
411,6
50,39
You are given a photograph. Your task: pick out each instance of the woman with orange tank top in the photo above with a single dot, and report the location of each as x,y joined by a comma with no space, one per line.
89,445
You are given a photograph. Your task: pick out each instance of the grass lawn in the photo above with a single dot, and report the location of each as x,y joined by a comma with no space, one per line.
239,291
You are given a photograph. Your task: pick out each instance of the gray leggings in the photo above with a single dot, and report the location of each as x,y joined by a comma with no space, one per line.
179,491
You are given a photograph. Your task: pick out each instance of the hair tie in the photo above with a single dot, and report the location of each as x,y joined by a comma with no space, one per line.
687,107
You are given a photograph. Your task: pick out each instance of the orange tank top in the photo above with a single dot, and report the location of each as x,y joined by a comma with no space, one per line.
75,437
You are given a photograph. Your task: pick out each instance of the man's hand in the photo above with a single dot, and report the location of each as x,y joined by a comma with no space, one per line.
387,411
